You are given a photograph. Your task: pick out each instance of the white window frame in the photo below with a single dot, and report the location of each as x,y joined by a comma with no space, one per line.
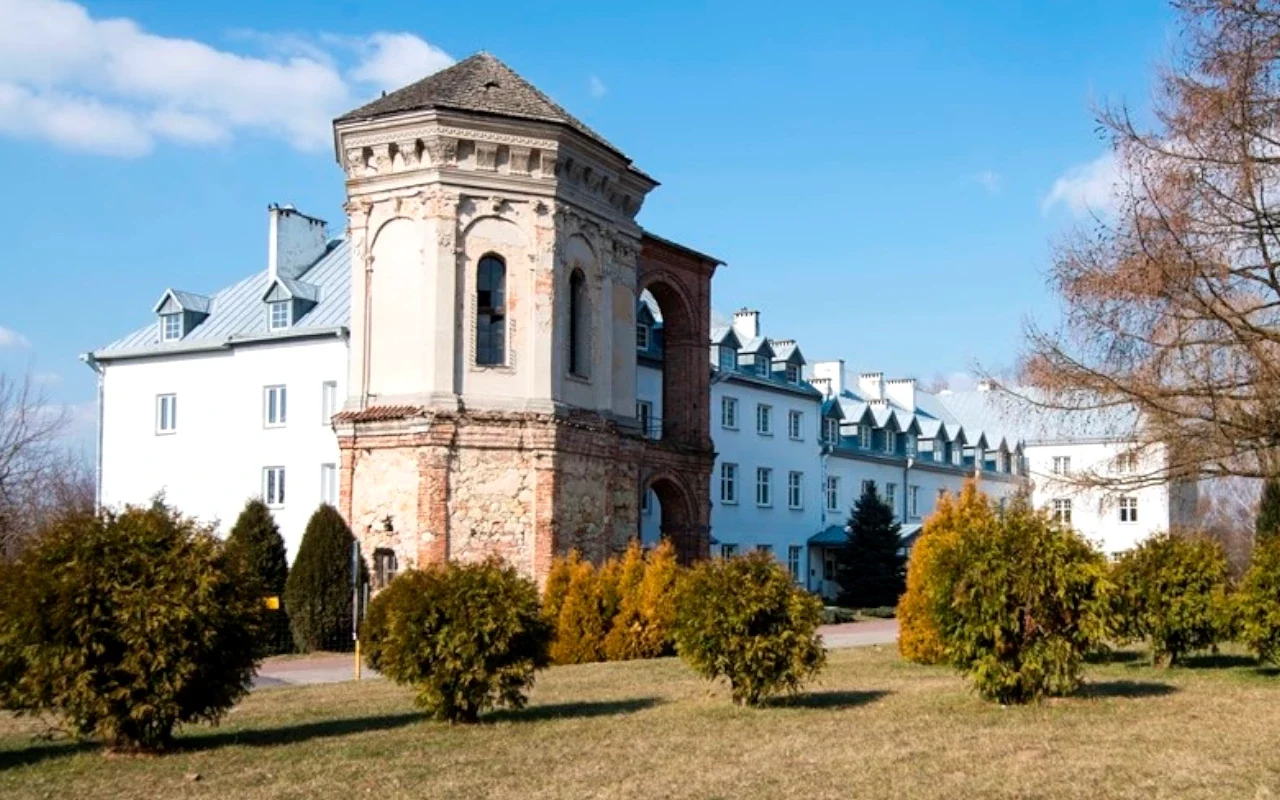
833,492
282,321
795,425
642,336
729,413
909,443
764,548
1062,510
644,413
764,487
728,484
329,484
328,402
913,502
275,399
957,452
793,374
867,483
831,429
864,437
728,550
1127,463
177,333
1128,509
727,359
764,419
793,562
646,503
166,414
1061,465
890,440
795,490
273,487
891,497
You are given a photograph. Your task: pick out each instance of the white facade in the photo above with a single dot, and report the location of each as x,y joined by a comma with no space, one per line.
221,423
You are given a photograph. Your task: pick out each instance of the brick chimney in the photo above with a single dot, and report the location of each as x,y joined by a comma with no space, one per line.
294,241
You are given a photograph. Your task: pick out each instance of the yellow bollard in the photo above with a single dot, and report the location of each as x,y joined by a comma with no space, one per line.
357,659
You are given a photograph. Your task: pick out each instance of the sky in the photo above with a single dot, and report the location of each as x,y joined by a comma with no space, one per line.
885,181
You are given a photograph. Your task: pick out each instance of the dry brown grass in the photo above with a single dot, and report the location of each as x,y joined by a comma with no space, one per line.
874,727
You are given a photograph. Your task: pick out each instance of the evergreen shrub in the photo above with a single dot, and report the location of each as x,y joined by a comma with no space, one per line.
1258,601
256,542
318,593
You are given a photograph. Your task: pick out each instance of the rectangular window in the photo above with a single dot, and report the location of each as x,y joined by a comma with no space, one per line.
273,486
1127,463
833,493
793,562
957,452
909,443
890,441
642,337
280,316
795,424
166,413
728,550
385,567
328,401
767,549
764,419
644,413
170,327
274,406
1062,465
764,486
329,484
913,501
1062,511
793,373
891,497
831,429
829,567
864,437
795,490
1128,509
728,359
729,413
867,486
646,503
728,483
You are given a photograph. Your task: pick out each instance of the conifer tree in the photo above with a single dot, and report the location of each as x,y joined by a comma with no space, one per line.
318,592
256,545
871,566
1268,522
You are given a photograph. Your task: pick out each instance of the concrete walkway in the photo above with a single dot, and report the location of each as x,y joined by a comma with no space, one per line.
339,667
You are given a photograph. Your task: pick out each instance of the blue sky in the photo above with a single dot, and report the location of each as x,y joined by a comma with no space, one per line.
884,181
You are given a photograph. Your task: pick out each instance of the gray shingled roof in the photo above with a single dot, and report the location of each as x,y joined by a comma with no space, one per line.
481,84
237,313
1005,413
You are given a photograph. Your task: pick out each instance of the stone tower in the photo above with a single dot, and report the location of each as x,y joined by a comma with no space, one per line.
496,264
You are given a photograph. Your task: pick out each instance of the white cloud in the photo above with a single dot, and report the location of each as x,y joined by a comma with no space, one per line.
107,86
10,338
989,180
1086,188
597,87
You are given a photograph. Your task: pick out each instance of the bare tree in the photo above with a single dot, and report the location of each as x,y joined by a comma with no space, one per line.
39,476
1227,512
1172,306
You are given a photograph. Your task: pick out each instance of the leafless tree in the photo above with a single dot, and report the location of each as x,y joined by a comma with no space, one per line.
39,476
1172,305
1227,512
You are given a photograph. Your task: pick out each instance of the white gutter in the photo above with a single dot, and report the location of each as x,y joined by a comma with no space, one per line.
98,369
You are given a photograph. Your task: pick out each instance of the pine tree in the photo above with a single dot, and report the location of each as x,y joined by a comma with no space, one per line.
1268,523
255,543
871,566
318,592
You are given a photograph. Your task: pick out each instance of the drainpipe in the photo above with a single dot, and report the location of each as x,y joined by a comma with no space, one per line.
906,487
97,367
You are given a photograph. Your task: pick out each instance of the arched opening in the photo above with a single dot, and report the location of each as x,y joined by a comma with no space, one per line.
491,314
671,348
677,519
577,324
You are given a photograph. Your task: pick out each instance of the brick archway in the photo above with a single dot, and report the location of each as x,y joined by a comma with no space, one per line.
681,523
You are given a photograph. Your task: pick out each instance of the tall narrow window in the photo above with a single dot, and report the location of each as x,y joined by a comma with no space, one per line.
795,424
795,490
491,313
728,483
793,562
729,413
1128,509
328,401
385,567
166,413
833,493
891,497
913,501
274,406
764,486
642,337
644,414
273,486
329,484
577,325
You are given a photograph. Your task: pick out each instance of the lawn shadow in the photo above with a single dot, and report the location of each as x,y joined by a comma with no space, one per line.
42,751
832,700
1218,661
1116,657
1127,689
579,710
291,734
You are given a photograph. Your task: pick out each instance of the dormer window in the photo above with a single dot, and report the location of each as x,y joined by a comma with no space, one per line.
642,337
170,327
793,373
864,437
728,359
890,441
281,315
831,429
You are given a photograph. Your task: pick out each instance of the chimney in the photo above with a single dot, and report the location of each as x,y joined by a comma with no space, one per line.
294,241
832,374
986,385
902,391
871,384
746,323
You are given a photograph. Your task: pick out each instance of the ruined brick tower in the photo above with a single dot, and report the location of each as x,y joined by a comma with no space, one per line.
496,264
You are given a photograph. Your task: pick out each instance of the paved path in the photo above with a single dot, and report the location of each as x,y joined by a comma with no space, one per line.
339,667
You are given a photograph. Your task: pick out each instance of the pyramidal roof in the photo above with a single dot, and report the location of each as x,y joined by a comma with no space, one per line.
480,84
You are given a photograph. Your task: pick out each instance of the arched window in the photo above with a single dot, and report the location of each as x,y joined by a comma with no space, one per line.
491,312
577,325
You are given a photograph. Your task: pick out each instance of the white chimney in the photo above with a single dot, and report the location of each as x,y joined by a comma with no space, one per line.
871,384
902,391
746,323
294,241
832,373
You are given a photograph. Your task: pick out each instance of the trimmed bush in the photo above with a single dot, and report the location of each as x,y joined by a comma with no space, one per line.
744,619
870,567
127,625
581,624
1258,601
557,585
919,638
644,624
318,592
1018,603
466,637
256,542
1172,591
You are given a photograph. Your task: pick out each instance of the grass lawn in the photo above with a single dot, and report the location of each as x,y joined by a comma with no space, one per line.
873,727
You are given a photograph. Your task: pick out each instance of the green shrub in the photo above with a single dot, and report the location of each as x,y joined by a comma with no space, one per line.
879,612
919,638
745,619
466,637
870,567
256,542
835,615
1172,591
126,625
1258,601
581,624
644,624
1019,602
318,592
